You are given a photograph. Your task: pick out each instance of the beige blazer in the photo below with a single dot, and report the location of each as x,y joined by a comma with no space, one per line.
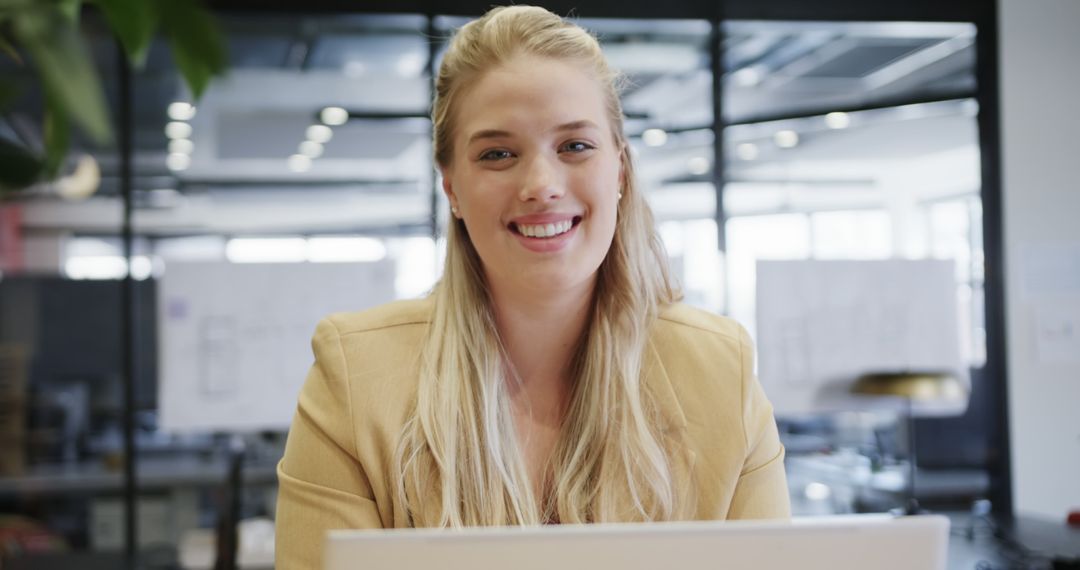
337,472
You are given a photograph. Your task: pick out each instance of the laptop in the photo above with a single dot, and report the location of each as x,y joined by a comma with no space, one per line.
849,542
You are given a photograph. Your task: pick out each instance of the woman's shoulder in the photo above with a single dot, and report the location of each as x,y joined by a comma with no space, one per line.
380,342
684,321
405,313
369,359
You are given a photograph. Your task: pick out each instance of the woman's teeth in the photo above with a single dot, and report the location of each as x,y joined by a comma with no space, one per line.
545,230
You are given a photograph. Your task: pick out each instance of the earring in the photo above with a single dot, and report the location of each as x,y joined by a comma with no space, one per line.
620,196
453,210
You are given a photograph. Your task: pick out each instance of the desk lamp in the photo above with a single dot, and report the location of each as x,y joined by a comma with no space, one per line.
916,389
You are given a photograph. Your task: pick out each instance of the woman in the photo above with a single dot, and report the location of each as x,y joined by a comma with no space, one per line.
551,376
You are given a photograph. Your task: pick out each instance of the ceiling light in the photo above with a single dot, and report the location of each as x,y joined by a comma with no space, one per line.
181,146
698,165
177,161
355,68
319,133
334,116
410,65
266,250
299,163
747,77
817,491
311,149
786,139
95,267
747,151
330,249
178,130
654,137
181,111
837,120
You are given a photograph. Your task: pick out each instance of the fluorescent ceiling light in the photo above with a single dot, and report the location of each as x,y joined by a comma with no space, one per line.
178,130
747,151
837,120
747,77
107,267
786,139
181,146
181,111
698,165
654,137
334,116
311,149
355,68
330,249
266,250
319,133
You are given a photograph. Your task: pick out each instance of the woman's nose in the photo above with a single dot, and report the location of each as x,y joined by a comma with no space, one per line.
541,181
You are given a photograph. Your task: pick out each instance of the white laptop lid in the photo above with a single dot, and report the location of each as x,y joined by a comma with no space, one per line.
853,542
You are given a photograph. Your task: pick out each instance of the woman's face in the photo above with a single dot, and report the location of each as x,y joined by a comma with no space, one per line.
535,175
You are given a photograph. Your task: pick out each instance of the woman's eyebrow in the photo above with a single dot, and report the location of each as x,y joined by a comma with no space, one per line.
499,134
575,125
488,134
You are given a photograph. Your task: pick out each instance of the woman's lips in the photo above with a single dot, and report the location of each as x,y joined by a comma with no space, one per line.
545,233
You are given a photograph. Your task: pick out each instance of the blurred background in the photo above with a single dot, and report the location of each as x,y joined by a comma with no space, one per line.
170,306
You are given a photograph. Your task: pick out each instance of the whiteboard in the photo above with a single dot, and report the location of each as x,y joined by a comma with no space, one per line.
235,339
821,324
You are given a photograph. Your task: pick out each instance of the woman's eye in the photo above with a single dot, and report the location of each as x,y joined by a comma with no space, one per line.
496,155
577,146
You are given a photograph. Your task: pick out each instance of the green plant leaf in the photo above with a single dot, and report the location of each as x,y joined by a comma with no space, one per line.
196,42
134,22
66,71
19,167
57,133
69,9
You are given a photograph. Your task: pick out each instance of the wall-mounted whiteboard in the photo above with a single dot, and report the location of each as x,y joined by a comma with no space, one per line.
821,324
235,339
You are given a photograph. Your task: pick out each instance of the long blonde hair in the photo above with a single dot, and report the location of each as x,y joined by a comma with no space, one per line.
459,457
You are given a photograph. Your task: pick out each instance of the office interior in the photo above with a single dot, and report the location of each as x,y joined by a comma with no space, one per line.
766,131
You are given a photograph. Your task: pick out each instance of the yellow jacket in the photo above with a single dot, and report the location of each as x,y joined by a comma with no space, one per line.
338,473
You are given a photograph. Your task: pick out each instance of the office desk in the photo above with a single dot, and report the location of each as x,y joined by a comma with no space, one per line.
152,474
1024,543
981,552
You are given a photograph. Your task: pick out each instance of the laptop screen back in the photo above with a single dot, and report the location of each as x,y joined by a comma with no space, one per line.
833,543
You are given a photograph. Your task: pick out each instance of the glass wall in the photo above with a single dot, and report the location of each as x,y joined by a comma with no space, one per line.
856,141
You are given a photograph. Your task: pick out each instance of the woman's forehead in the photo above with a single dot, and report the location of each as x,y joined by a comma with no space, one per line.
530,92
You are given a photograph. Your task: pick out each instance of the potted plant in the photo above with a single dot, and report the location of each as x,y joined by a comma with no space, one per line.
44,35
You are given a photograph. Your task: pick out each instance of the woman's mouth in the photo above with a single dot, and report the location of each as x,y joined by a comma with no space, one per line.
545,231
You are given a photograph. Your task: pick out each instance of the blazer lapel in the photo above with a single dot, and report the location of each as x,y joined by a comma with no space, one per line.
656,382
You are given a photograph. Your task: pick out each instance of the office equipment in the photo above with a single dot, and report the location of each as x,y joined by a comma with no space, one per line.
822,324
235,339
853,542
912,387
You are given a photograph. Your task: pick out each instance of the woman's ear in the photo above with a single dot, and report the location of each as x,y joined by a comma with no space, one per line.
448,189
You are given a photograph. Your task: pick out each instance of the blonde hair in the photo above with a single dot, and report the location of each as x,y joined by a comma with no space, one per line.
459,456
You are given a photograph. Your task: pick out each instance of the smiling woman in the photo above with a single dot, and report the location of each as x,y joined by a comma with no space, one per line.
551,376
537,155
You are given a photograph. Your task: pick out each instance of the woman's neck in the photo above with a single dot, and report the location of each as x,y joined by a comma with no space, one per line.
541,333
